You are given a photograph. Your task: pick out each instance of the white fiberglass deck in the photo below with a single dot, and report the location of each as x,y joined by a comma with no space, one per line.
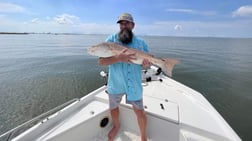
123,135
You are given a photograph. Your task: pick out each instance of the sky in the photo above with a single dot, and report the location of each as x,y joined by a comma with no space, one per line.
200,18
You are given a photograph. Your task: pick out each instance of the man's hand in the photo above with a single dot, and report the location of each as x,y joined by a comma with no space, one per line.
123,56
146,63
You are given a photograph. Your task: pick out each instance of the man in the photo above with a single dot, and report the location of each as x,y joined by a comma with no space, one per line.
125,77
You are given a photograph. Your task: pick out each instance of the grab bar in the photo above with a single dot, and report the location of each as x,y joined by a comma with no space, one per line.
9,134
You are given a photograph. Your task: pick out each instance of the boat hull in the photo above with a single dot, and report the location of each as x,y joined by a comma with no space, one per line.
174,111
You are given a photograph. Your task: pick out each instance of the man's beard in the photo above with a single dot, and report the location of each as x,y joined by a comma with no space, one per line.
125,36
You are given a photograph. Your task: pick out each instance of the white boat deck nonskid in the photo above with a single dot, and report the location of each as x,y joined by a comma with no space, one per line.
193,109
85,114
152,106
122,135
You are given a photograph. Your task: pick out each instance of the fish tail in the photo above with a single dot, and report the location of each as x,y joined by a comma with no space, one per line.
167,65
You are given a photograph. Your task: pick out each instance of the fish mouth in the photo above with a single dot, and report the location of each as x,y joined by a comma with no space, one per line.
90,51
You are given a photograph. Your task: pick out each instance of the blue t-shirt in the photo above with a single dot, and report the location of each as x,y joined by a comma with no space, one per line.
126,78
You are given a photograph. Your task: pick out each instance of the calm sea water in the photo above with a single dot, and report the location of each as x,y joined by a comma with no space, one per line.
39,72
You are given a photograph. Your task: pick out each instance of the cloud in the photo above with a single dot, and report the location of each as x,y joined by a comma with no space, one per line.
35,20
180,10
67,19
237,28
191,11
67,23
64,23
243,11
11,8
178,27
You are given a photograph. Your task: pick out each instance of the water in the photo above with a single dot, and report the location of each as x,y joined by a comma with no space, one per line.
39,72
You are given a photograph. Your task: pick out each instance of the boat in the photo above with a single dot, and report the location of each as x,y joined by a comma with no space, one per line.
174,111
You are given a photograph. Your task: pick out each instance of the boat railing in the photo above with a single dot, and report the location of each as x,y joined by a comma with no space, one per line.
23,127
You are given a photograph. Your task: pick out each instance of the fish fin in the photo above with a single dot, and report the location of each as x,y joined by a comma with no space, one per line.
168,65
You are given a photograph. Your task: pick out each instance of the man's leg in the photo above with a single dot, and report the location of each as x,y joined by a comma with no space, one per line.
142,122
114,101
116,124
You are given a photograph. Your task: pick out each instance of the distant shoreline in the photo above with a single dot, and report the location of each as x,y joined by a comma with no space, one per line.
13,33
50,33
25,33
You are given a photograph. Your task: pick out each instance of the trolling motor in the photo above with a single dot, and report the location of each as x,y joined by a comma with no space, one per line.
156,69
104,75
152,74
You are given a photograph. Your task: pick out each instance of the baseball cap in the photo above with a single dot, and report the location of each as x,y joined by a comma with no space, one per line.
125,17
